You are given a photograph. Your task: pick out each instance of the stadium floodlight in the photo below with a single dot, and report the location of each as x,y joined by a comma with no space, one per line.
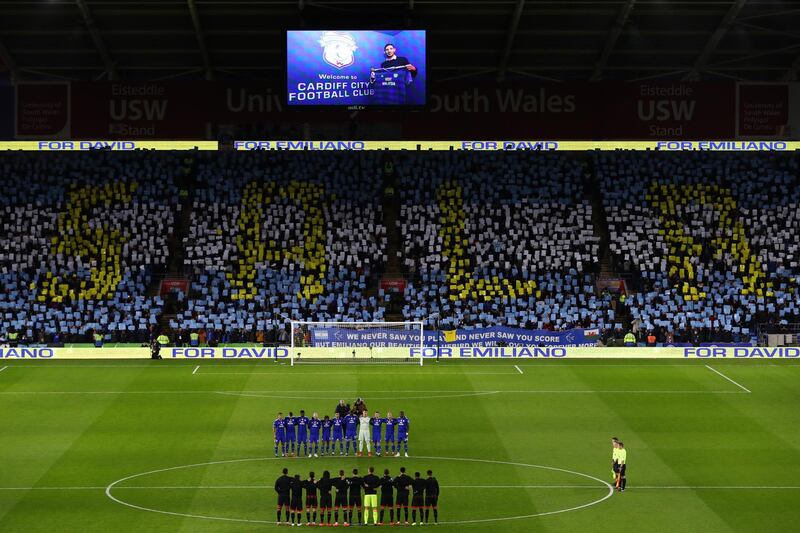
357,342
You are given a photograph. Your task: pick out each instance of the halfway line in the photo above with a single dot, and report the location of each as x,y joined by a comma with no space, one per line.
729,379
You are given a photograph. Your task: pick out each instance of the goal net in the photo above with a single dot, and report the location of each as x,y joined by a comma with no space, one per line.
357,342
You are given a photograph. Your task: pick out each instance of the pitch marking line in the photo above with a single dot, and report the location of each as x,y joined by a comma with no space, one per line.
270,487
518,369
443,394
603,484
195,369
729,379
1,369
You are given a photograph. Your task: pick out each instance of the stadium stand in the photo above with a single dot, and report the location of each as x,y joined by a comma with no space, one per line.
82,235
276,235
711,238
499,239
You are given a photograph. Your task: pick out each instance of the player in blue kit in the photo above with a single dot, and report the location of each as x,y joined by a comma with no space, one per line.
279,433
376,422
291,433
302,433
351,428
402,433
391,424
313,430
338,434
327,425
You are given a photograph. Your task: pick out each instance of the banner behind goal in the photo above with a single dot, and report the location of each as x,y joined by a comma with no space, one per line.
357,342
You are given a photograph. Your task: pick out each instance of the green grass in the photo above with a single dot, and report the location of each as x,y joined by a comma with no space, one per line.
704,455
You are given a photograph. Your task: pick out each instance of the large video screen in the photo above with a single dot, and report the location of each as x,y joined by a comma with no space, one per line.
356,68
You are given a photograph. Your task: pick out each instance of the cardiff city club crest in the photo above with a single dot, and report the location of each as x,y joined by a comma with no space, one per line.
338,49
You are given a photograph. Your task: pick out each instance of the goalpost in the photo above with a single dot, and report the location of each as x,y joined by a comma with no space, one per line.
357,342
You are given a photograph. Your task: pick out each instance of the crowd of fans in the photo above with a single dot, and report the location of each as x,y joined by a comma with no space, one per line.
499,239
277,235
708,242
81,237
711,237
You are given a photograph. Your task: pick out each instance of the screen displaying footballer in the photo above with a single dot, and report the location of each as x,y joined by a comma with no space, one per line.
340,67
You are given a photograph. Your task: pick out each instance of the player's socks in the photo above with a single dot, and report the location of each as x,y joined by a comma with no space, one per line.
414,516
427,515
276,450
279,514
374,515
624,482
436,515
391,515
382,515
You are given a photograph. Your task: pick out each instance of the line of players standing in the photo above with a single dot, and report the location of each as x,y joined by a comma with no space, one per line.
293,432
290,497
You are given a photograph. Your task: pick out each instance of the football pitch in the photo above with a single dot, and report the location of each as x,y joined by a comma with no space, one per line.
516,445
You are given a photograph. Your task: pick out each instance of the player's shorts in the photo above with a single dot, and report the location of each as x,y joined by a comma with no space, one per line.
311,502
283,500
371,501
296,505
291,438
341,501
325,501
418,501
386,502
355,501
376,439
391,439
616,468
337,438
402,438
431,501
350,436
402,500
303,438
280,438
622,469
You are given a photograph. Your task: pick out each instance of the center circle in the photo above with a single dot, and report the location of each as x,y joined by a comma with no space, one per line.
115,484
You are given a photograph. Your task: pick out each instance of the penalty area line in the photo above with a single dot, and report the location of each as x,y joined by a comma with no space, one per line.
519,369
1,369
195,369
729,379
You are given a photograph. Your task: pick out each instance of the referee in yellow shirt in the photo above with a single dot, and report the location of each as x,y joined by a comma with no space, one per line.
622,459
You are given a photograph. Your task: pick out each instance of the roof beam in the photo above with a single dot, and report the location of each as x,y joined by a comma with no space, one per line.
714,39
201,40
97,38
9,62
512,33
611,40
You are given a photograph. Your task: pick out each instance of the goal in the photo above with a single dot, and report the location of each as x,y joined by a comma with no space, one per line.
357,342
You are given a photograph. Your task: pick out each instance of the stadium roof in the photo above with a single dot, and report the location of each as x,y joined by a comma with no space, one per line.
549,40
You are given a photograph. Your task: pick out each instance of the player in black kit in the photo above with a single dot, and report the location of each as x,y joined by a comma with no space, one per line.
296,504
355,497
431,498
402,483
325,502
418,499
283,486
387,497
311,499
340,502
